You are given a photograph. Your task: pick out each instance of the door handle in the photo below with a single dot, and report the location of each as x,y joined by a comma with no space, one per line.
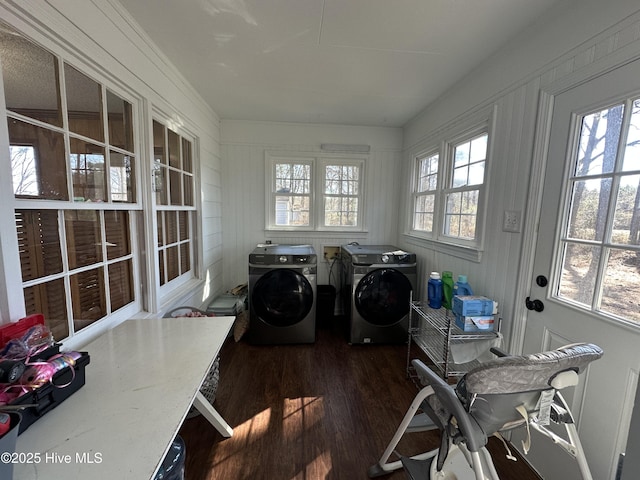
536,305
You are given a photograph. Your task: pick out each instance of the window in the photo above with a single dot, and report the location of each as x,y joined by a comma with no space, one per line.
175,207
600,238
320,193
463,192
424,196
73,166
292,194
341,194
448,190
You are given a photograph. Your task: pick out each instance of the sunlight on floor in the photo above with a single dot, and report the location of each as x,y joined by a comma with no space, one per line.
254,428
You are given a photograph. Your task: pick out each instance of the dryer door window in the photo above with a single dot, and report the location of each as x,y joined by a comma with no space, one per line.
282,297
382,296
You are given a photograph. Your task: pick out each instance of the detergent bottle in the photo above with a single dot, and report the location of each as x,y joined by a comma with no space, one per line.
461,287
434,290
447,290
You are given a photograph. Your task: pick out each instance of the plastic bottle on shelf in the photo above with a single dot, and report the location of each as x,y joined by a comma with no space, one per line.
461,287
447,290
434,290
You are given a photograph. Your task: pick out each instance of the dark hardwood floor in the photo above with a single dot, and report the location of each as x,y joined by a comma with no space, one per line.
306,412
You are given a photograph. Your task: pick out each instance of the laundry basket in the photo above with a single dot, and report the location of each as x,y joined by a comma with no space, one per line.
210,383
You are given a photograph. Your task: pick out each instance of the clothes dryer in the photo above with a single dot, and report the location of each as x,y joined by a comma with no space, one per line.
282,294
377,284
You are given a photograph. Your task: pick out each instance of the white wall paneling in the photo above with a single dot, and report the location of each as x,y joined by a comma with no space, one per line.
559,51
244,145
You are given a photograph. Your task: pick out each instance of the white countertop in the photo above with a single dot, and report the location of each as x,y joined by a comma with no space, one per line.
142,378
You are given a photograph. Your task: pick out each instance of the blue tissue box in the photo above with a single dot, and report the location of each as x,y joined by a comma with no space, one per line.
473,305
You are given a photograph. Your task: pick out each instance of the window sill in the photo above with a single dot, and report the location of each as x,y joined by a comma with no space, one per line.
466,253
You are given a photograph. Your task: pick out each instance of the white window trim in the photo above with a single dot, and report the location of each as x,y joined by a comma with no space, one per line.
443,142
316,197
160,296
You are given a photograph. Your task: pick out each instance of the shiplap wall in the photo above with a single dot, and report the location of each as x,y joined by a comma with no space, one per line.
576,40
243,146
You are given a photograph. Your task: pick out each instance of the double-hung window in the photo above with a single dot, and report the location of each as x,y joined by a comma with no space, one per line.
74,167
84,197
173,187
314,193
449,188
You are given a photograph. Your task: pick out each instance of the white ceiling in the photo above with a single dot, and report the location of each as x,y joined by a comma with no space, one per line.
353,62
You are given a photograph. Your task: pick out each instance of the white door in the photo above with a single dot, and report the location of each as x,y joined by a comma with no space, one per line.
588,252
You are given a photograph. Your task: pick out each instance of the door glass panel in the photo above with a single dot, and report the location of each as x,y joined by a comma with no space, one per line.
632,149
626,223
621,280
84,104
599,137
593,272
589,209
39,96
579,273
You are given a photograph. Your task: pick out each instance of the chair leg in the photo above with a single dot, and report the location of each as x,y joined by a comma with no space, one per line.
382,467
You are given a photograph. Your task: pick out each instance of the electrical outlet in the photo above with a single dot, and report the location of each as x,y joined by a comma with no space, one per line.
330,253
511,221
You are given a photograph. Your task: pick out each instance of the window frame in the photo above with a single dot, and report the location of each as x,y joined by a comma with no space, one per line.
163,289
69,274
443,144
147,295
317,195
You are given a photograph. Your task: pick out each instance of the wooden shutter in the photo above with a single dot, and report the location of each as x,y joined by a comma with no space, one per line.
120,284
116,225
39,243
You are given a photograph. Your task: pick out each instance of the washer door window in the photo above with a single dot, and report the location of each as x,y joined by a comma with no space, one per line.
282,297
382,296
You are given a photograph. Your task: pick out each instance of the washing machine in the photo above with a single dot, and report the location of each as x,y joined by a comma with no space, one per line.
377,284
282,294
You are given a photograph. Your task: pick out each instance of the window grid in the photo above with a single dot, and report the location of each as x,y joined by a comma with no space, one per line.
599,250
341,195
292,194
314,193
175,211
76,259
447,190
424,192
